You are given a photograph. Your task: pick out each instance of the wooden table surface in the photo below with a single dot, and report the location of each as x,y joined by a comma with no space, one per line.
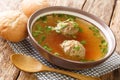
106,10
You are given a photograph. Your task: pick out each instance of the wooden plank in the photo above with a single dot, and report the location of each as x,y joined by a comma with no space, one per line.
100,8
115,25
26,76
7,70
9,5
70,3
108,76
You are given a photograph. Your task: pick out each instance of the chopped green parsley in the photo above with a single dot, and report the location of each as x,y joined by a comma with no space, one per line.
83,42
47,48
77,48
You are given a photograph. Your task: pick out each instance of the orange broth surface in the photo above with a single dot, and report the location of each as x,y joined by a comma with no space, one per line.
53,39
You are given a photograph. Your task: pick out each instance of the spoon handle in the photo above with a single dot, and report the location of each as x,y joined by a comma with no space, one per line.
72,74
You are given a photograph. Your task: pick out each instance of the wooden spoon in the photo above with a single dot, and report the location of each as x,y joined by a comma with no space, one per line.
29,64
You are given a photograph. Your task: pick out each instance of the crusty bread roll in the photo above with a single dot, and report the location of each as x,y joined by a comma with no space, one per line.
13,25
30,6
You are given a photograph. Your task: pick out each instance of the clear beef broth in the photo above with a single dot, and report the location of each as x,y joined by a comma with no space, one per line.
95,44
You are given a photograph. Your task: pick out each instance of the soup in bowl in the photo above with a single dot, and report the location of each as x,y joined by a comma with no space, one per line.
70,38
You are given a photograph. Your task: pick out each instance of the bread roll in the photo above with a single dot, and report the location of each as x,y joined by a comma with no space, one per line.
30,6
13,25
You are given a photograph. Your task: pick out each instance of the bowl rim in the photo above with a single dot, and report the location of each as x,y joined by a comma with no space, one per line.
62,8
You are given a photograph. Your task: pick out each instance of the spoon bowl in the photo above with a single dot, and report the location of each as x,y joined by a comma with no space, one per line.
26,63
29,64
